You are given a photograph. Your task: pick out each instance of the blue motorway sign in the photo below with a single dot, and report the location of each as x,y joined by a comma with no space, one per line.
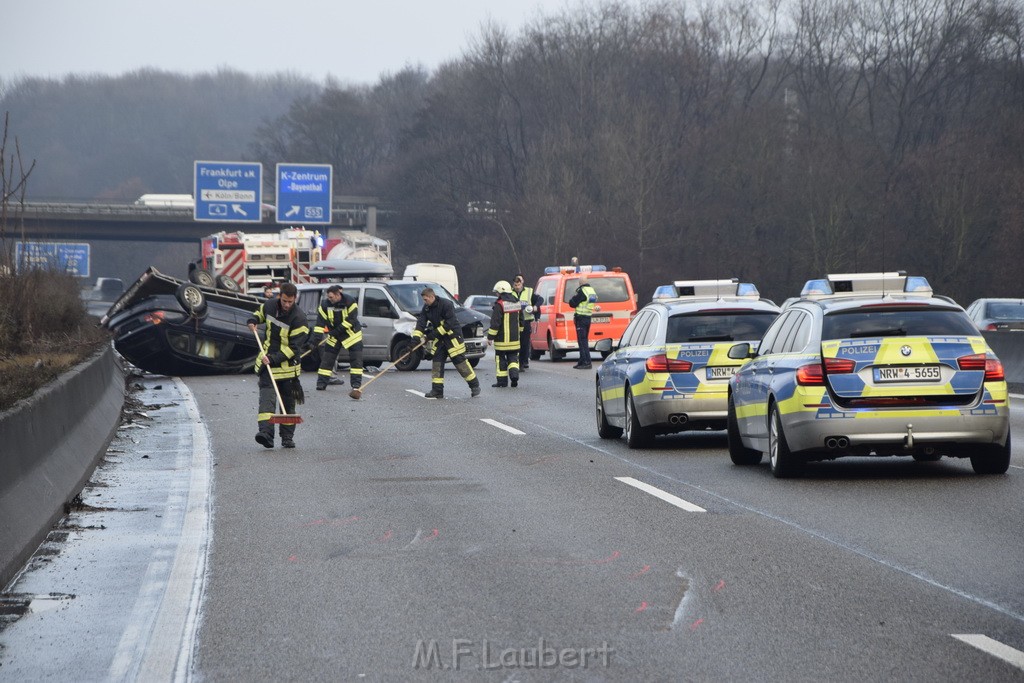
228,191
304,193
65,257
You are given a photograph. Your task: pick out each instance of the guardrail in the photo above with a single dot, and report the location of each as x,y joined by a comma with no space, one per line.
49,447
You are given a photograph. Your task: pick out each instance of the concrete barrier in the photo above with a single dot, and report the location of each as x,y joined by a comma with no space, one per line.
49,447
1009,346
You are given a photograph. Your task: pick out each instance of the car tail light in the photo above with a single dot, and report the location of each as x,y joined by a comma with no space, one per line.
155,318
840,366
991,327
979,361
559,318
662,363
810,375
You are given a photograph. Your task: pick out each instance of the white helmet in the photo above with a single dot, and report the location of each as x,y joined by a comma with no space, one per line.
502,287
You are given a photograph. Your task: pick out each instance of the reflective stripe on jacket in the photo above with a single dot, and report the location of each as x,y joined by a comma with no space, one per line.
586,307
285,334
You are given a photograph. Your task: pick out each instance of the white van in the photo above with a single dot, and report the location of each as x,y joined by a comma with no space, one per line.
442,273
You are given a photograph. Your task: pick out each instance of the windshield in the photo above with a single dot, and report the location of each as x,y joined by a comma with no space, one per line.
408,295
1005,310
609,289
916,321
707,327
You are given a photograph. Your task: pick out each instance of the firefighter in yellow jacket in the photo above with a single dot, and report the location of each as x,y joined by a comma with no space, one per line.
506,325
338,318
436,324
286,333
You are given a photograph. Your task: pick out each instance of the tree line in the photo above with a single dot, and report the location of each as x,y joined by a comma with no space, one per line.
772,141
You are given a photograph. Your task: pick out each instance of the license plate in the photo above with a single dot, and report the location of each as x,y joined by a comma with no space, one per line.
908,373
600,319
722,372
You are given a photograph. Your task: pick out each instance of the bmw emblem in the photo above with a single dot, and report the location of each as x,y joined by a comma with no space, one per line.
906,350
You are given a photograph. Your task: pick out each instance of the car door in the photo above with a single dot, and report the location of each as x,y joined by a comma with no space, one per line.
617,367
378,315
757,382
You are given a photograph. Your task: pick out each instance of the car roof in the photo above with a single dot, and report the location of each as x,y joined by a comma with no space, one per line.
696,305
853,302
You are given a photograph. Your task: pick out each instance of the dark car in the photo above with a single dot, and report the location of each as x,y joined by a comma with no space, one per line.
174,327
998,315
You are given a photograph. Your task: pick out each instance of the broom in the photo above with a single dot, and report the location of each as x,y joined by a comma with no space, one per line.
358,393
284,417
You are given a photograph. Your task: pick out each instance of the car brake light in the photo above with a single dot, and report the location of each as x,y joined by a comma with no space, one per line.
991,327
979,361
155,317
662,363
839,366
810,375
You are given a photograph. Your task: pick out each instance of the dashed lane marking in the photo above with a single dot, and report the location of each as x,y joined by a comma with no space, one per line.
658,493
1006,653
495,423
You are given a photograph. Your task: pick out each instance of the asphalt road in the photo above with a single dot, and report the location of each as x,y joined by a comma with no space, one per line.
499,538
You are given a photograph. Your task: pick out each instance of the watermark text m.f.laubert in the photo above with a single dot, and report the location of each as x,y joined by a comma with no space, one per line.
485,655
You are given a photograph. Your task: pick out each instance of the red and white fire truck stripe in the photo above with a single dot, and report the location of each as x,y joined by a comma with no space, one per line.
234,265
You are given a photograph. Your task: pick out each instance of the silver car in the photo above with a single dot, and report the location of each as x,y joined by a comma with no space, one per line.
387,311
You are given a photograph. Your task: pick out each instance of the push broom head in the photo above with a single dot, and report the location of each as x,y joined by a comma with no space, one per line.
355,393
285,419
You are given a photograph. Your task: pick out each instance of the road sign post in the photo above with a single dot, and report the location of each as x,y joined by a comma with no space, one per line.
228,191
304,193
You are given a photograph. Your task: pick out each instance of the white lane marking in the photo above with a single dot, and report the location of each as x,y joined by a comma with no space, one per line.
171,646
993,647
1018,616
1017,395
421,394
658,493
495,423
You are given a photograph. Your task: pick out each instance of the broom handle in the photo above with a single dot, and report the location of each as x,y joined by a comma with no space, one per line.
273,382
396,362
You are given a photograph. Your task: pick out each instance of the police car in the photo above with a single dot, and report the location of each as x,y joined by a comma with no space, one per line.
869,364
671,369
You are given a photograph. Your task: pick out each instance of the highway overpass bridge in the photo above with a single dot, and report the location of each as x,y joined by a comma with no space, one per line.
95,221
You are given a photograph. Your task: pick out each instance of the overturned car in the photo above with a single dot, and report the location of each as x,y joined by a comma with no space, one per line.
175,327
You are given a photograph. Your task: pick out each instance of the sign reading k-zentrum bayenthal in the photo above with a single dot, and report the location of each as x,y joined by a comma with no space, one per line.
304,193
228,191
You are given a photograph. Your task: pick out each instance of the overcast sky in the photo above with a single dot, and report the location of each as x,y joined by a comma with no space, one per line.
353,41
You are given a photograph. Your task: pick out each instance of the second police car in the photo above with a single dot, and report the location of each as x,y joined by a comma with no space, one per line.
671,369
869,364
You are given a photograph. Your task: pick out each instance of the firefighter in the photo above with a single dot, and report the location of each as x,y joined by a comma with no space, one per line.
437,325
504,334
286,333
531,306
338,318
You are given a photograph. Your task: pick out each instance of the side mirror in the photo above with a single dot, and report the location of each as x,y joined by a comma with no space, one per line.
603,345
741,351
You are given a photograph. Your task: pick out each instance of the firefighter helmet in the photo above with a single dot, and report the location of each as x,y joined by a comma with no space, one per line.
502,287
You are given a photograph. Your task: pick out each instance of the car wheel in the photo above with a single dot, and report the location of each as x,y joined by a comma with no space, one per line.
604,430
412,360
993,459
191,299
473,362
227,283
637,436
554,353
740,454
201,276
784,463
535,355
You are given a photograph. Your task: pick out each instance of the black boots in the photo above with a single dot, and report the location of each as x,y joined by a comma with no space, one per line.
436,391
